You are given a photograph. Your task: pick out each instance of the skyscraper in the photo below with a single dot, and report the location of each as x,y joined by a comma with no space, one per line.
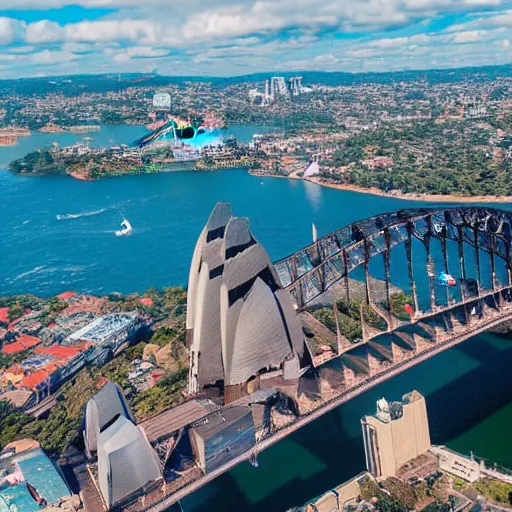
396,434
295,85
278,87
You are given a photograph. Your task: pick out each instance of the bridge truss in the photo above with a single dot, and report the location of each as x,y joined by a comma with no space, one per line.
380,264
400,256
309,272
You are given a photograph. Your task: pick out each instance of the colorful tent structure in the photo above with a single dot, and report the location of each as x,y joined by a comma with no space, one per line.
176,131
446,279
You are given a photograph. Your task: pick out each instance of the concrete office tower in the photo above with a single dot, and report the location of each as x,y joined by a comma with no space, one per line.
272,88
396,434
240,321
291,86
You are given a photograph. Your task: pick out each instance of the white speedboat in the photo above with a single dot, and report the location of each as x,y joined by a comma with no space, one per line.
127,228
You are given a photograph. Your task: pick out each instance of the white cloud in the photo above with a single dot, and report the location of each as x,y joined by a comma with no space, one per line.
55,4
390,42
44,31
22,49
482,2
240,36
475,36
500,20
84,48
9,30
364,53
469,36
155,22
49,57
420,39
110,30
7,57
229,23
484,20
136,52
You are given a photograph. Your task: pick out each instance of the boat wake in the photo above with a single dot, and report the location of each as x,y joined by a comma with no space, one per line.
36,270
69,216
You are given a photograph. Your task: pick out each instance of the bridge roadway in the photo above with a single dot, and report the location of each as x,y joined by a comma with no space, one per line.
360,388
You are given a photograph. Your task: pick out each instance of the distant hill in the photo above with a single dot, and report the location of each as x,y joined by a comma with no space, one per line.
76,84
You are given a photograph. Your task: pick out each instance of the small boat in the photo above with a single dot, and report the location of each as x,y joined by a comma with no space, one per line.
127,228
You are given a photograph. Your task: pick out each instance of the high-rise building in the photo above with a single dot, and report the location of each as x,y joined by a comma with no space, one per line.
295,85
396,434
278,87
240,321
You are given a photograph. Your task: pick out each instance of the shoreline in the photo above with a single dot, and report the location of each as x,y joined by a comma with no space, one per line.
450,198
432,198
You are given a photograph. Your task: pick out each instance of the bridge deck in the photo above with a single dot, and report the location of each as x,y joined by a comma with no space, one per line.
173,419
363,386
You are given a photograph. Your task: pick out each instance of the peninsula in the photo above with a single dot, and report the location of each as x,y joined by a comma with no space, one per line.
85,163
437,135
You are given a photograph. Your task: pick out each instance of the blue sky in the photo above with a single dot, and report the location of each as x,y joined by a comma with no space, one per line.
231,37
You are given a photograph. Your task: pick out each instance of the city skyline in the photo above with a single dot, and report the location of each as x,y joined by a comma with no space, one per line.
57,37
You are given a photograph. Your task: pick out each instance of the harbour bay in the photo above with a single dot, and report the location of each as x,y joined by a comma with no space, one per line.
59,234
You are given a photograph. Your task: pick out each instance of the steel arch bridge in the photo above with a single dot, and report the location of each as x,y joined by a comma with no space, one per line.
398,253
475,232
309,272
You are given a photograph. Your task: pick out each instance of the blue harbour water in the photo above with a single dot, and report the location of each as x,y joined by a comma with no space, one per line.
58,234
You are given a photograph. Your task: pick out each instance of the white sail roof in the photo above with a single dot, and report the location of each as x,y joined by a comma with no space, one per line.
126,461
312,169
242,319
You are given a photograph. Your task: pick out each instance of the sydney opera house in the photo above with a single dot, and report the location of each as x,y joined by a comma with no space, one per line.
126,461
241,324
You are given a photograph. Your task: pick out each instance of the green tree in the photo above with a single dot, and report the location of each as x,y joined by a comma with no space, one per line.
16,312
